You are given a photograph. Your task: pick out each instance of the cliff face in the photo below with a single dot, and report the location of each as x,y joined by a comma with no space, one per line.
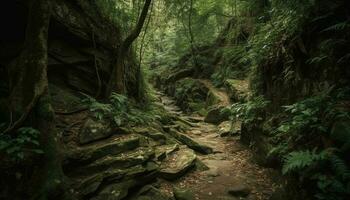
82,46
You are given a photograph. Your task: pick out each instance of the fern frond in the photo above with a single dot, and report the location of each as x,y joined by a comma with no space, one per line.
301,159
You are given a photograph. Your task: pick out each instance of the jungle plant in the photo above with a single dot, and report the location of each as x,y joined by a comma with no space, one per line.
17,147
249,111
309,120
118,110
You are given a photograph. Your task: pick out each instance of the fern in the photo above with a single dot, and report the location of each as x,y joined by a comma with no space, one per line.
299,160
25,142
248,111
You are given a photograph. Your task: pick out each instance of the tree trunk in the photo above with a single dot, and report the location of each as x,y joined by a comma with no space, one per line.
30,100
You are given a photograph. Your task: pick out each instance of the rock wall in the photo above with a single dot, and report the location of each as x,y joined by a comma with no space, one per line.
82,47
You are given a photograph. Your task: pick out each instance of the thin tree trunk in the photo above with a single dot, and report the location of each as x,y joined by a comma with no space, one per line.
117,78
192,41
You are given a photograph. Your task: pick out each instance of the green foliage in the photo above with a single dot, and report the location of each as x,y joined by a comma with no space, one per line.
299,160
329,171
118,110
310,118
25,141
305,122
249,111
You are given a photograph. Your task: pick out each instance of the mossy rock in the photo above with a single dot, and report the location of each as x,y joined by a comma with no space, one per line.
177,164
183,194
190,142
190,94
152,134
164,150
123,160
216,115
90,153
212,99
238,90
135,175
94,130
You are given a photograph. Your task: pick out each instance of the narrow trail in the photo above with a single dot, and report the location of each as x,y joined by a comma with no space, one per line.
231,166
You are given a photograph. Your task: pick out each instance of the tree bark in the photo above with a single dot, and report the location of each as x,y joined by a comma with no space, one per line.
116,82
30,100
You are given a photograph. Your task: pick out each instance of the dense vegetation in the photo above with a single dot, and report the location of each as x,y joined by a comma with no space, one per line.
283,65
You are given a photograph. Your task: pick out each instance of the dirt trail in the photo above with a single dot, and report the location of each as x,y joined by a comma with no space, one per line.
230,166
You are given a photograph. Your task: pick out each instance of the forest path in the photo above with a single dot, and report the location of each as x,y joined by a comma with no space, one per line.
231,166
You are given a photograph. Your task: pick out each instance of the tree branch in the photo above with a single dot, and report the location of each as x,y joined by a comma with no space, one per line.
136,32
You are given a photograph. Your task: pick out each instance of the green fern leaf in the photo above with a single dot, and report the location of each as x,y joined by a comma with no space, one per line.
301,159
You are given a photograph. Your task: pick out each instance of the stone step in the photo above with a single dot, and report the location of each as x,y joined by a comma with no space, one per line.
177,163
190,142
121,161
87,186
161,152
89,153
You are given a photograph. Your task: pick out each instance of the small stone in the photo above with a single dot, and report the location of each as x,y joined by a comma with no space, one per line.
240,191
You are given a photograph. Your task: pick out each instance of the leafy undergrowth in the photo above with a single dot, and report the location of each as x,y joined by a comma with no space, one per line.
314,142
121,111
311,139
18,147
